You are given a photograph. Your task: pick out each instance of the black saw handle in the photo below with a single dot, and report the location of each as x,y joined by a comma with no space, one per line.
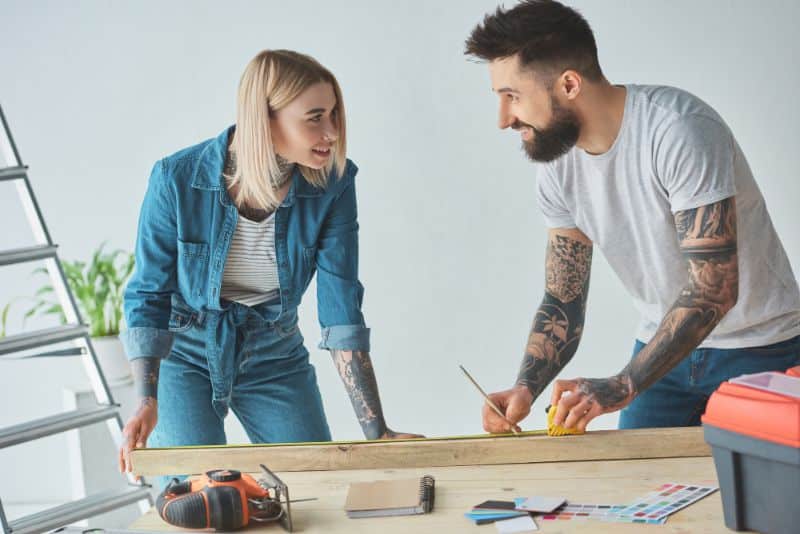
220,507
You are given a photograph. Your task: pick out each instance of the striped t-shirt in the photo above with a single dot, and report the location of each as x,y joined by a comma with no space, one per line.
251,270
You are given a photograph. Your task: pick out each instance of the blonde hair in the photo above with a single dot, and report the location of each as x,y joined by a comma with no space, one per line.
271,81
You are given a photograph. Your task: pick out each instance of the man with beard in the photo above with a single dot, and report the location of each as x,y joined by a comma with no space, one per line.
655,179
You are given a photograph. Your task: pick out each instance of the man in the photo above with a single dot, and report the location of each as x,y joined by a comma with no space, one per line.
655,179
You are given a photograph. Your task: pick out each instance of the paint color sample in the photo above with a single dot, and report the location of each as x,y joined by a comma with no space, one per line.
493,516
666,500
595,512
495,512
489,515
495,505
516,525
541,504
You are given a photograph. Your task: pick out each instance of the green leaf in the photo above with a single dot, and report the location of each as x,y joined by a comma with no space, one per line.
128,269
4,318
44,290
55,309
97,287
36,309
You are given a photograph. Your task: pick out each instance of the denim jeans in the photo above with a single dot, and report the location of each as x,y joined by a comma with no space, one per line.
679,398
238,360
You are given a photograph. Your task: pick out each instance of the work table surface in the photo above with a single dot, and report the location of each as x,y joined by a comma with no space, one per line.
458,488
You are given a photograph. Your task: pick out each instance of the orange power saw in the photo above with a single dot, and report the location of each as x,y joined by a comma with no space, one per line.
225,499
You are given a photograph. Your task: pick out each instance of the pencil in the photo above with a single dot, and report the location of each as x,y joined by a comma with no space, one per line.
488,400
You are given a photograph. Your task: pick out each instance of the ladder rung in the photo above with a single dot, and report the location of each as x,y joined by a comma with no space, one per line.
41,338
13,173
22,255
54,424
77,510
76,351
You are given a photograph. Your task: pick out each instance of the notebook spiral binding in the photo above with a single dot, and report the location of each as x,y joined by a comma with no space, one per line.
427,492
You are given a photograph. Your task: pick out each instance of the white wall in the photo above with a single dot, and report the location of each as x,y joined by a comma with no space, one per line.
451,242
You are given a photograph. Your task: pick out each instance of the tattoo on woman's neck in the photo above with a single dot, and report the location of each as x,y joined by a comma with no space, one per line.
285,169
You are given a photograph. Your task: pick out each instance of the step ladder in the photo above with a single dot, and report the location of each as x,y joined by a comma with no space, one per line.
74,332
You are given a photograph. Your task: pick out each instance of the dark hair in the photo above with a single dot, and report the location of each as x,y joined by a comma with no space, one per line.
546,34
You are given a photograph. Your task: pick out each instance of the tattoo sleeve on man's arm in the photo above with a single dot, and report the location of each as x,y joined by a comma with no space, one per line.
707,237
145,376
558,323
355,368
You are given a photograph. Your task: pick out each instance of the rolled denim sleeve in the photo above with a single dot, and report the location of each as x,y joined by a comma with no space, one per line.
339,292
148,293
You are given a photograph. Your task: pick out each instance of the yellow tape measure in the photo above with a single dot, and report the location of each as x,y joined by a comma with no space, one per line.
358,442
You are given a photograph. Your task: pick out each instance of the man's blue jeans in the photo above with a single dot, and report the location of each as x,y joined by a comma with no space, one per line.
679,398
238,360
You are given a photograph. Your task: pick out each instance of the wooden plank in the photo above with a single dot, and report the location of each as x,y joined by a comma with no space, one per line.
459,488
598,445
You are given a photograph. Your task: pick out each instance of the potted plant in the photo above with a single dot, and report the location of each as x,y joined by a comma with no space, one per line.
97,287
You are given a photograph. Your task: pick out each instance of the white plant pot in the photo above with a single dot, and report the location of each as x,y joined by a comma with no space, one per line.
112,358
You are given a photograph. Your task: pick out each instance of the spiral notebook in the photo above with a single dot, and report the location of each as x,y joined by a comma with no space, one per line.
390,497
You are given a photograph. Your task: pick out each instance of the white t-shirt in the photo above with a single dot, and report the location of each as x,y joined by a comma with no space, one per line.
673,152
251,269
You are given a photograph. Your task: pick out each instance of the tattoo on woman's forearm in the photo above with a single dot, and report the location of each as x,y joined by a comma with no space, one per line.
558,323
145,402
145,376
355,368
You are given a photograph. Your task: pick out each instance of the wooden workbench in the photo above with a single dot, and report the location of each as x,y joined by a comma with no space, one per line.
581,477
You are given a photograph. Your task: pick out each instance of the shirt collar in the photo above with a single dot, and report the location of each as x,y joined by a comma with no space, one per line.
208,173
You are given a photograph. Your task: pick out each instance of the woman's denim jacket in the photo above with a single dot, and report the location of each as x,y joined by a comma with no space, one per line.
185,228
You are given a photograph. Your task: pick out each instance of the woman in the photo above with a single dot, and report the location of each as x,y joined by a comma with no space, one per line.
230,234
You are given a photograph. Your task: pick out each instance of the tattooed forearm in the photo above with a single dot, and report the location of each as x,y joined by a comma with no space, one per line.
708,242
558,323
355,368
567,267
610,393
145,376
146,402
708,229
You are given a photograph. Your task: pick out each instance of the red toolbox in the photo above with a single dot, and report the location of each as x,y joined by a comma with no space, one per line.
753,426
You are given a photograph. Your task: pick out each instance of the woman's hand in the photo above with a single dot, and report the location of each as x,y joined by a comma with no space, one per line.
137,430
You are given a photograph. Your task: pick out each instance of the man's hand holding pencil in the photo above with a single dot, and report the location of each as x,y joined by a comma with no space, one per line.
514,405
503,411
